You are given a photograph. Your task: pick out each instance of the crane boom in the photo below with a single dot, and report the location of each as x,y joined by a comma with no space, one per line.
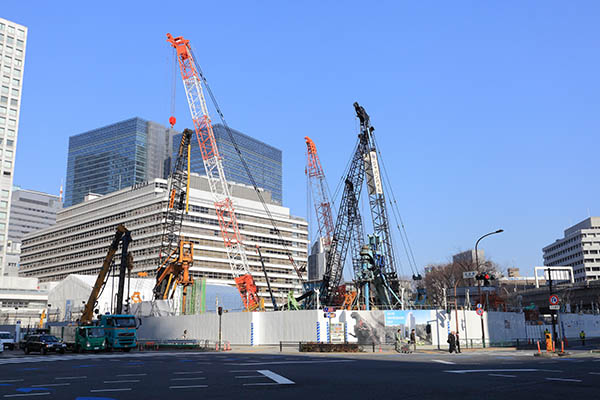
213,167
316,177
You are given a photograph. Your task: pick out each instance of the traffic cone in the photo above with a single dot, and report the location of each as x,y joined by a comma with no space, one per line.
380,350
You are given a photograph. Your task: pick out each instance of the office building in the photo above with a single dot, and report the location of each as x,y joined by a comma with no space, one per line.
264,161
13,39
469,258
30,210
116,156
78,243
579,248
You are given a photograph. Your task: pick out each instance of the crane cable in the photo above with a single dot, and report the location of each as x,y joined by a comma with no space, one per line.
398,217
245,165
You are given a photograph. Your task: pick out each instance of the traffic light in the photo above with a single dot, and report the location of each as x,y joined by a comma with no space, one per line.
486,277
220,310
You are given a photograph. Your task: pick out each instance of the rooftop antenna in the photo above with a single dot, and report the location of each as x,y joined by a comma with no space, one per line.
60,191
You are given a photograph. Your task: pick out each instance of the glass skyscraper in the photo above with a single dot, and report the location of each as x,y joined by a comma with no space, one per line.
116,156
263,160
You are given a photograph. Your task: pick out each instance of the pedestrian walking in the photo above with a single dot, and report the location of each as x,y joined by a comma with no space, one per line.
184,336
413,340
582,337
451,342
398,340
457,343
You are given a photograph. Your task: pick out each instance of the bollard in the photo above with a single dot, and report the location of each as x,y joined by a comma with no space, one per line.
373,347
562,346
280,346
539,350
553,346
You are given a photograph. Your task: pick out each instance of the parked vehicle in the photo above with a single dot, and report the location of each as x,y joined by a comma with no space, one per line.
44,344
120,330
7,340
81,338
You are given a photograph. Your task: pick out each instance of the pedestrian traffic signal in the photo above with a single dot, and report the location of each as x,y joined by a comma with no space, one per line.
486,277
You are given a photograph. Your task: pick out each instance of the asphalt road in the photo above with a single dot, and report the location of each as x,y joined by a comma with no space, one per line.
193,375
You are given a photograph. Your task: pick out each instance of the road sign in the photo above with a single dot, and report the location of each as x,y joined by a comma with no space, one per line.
479,311
469,274
325,309
555,307
479,305
554,300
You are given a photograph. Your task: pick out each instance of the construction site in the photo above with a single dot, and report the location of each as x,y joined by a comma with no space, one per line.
269,290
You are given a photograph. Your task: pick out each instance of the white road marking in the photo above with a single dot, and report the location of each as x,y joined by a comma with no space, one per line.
563,379
466,371
292,362
11,380
124,381
110,390
188,372
190,386
188,379
51,384
27,394
594,373
444,362
281,380
504,376
132,374
72,377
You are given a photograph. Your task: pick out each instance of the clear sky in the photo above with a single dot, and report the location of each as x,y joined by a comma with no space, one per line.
486,112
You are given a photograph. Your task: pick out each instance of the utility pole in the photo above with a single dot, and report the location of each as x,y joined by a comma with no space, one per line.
552,312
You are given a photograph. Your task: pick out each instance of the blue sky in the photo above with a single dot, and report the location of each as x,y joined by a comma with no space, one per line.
486,112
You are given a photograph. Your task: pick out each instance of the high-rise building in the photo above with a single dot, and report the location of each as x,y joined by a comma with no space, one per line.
116,156
29,211
579,248
264,161
78,243
13,39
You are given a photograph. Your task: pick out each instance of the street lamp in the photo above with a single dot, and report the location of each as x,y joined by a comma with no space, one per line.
477,269
16,312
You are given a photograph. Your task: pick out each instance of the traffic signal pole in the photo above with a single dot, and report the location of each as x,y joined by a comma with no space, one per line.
552,312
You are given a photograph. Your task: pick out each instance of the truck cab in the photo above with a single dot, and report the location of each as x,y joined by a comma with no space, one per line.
89,338
120,331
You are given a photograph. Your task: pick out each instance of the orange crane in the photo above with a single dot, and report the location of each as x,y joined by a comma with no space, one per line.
316,178
213,166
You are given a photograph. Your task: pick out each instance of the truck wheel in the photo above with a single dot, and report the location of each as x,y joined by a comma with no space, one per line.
62,351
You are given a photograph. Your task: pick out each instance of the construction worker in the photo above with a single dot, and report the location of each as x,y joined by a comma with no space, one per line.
451,342
582,337
413,339
398,340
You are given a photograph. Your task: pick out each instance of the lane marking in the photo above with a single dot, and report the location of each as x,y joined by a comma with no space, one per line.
563,379
594,373
27,394
110,390
281,380
504,376
188,372
188,379
72,377
123,381
11,380
260,384
132,374
444,362
52,384
250,376
292,362
466,371
189,386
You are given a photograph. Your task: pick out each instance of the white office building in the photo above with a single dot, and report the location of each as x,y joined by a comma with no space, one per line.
579,248
13,38
79,241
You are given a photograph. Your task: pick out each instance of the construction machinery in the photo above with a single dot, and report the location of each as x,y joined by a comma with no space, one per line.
348,229
262,263
213,166
176,255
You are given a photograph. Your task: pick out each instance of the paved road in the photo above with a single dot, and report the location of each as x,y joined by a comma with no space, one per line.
193,375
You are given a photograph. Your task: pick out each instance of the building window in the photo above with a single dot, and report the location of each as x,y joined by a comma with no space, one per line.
15,92
12,113
11,30
4,194
4,89
9,154
7,164
21,34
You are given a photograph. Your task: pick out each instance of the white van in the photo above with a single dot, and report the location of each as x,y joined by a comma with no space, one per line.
7,341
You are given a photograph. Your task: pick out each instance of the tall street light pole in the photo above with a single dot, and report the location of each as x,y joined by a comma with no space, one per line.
477,269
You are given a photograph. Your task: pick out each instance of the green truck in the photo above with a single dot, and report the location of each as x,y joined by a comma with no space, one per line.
81,338
120,331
